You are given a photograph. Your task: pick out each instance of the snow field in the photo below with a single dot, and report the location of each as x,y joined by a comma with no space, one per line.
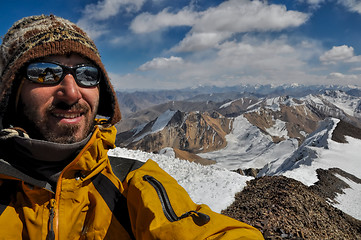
210,185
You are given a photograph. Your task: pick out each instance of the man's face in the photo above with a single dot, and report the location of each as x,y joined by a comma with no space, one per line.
62,113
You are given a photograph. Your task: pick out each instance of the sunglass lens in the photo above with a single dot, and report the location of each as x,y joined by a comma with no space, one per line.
42,72
87,75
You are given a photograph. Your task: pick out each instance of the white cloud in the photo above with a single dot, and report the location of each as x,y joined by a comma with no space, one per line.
270,58
356,69
250,60
208,28
94,30
352,5
341,76
161,63
197,41
230,16
130,81
94,15
147,22
245,16
238,16
339,54
136,81
108,8
314,4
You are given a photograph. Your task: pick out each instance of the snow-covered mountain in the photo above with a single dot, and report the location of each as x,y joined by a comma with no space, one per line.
192,132
248,130
131,103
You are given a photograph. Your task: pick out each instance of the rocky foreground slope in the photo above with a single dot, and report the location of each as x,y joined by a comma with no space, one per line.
283,208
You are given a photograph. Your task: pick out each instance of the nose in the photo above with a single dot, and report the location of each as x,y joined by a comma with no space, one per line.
69,91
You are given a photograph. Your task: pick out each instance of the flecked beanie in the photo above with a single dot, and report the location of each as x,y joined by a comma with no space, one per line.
39,36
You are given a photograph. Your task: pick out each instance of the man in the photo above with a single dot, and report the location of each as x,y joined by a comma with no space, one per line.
56,180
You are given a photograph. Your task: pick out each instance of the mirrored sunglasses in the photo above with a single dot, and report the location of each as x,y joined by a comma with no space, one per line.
52,73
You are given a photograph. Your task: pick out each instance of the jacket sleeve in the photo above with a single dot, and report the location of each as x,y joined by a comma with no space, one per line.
160,208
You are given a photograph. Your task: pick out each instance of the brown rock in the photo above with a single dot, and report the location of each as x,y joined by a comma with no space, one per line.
283,208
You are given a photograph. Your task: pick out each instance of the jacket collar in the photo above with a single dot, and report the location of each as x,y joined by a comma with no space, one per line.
18,146
46,151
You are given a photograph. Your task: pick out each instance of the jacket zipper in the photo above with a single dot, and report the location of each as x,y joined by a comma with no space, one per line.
51,233
53,219
167,207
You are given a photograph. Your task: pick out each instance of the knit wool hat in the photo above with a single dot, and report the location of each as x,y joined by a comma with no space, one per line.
40,36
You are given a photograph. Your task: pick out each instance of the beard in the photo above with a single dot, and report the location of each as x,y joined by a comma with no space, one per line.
41,127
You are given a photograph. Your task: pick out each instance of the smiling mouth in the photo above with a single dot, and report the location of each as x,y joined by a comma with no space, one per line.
67,115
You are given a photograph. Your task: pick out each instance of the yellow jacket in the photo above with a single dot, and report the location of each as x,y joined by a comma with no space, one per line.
90,202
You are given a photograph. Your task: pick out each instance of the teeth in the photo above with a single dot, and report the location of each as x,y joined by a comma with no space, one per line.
67,115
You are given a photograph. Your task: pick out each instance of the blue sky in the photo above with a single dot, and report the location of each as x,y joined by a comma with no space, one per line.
163,44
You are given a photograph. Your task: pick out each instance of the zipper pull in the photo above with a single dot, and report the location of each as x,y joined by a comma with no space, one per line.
199,218
51,234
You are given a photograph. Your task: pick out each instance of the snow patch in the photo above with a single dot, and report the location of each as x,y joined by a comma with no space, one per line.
305,154
168,151
209,185
158,125
346,201
162,121
227,104
279,129
248,147
273,104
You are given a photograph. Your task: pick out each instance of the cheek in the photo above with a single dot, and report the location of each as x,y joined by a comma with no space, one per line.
36,99
91,96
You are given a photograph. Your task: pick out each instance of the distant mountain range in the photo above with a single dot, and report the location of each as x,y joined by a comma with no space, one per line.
132,102
249,127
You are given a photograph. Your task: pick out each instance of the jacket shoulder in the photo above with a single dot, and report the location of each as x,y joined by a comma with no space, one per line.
122,166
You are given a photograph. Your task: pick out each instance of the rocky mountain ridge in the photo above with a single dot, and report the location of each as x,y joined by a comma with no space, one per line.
132,102
192,132
281,119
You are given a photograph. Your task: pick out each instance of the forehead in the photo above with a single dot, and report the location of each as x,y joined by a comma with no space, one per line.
68,60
